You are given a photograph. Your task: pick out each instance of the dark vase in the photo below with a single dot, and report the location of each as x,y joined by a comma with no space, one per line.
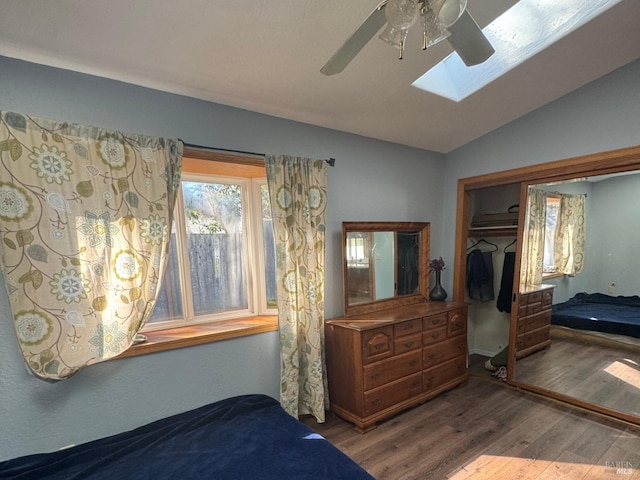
437,293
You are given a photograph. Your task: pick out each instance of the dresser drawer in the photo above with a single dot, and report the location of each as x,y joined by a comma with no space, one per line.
405,344
443,351
538,321
534,308
547,299
437,376
537,336
522,308
385,371
433,321
522,325
533,297
435,335
377,344
392,393
407,328
457,323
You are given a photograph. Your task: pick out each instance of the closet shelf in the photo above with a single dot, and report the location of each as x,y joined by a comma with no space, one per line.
494,231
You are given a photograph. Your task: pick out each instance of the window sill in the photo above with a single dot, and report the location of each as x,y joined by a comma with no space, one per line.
547,276
161,340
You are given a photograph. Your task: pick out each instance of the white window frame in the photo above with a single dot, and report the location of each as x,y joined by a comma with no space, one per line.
253,251
551,199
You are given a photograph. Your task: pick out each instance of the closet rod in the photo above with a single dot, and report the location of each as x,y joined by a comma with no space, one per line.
331,161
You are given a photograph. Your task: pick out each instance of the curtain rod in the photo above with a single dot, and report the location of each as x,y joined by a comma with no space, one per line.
331,161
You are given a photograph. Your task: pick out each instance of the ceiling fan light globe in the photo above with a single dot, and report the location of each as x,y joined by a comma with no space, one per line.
401,14
434,31
450,11
391,35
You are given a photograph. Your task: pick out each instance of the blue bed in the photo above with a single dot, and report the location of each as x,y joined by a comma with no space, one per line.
600,313
239,438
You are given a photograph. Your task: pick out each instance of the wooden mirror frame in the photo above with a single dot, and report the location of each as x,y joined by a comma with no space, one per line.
423,228
613,161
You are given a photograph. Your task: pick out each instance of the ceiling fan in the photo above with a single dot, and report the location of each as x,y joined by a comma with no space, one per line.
440,19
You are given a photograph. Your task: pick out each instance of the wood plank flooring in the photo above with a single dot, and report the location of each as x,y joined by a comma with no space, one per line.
488,430
595,373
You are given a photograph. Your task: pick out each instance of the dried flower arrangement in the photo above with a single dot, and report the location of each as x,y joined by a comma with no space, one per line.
436,265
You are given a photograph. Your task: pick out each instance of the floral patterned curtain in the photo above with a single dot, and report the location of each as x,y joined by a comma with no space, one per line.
569,237
533,242
85,220
298,192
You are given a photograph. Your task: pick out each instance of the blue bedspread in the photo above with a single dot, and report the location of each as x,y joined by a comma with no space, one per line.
601,313
246,437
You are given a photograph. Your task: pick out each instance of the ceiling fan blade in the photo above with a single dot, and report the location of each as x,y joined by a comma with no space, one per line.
468,40
347,52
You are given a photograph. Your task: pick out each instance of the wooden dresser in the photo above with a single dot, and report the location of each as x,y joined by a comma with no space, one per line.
384,362
534,320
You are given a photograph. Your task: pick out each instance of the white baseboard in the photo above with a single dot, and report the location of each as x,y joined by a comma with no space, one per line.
484,353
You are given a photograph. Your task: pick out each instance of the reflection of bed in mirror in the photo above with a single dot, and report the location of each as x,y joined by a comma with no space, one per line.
619,315
579,367
594,355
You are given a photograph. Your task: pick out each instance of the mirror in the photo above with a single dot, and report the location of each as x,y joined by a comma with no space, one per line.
603,374
385,265
594,355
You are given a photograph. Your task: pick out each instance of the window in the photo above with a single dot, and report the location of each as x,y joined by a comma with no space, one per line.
358,249
222,256
553,207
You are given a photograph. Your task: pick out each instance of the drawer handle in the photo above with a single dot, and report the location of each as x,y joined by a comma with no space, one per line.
379,346
415,385
409,344
376,401
413,363
432,356
375,375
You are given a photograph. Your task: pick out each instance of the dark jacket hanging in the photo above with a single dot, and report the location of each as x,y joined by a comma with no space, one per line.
506,285
480,275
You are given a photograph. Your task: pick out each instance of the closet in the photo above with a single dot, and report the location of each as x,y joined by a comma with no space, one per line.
529,320
490,247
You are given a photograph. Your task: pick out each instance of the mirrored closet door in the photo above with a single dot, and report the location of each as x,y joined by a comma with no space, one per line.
574,334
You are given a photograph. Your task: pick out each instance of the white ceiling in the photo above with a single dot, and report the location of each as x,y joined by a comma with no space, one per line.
266,56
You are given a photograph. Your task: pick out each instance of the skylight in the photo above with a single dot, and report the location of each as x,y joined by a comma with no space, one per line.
525,29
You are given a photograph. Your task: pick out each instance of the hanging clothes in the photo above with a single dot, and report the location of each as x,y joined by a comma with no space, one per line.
408,270
506,284
480,275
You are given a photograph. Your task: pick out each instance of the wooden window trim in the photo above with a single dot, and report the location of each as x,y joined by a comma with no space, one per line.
547,276
190,335
206,162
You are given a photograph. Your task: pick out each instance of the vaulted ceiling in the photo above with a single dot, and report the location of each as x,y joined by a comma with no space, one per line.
266,56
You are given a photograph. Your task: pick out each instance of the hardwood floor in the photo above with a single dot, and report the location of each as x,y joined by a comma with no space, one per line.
488,430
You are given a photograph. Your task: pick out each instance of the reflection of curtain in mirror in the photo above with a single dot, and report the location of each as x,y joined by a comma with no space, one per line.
569,238
533,241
